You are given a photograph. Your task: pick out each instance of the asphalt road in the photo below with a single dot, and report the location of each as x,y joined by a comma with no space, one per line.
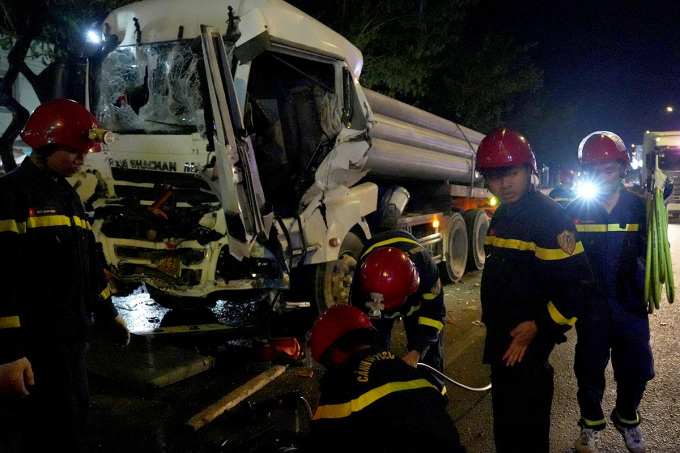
128,418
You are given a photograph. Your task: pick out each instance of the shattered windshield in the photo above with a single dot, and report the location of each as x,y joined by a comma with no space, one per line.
150,89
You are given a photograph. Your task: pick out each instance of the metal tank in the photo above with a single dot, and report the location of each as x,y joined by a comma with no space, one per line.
411,143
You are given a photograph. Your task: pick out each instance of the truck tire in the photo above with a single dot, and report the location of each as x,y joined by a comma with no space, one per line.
333,280
455,248
477,224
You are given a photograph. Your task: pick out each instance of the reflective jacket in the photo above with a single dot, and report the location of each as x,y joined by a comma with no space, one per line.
50,277
426,304
563,196
535,270
374,402
616,247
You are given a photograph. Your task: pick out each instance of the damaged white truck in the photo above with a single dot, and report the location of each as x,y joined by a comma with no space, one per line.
250,163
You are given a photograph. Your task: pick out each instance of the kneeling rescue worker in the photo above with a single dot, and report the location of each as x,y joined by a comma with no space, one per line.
52,282
534,278
398,278
370,400
613,227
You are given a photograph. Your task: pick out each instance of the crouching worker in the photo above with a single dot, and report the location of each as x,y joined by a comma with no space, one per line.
377,400
396,277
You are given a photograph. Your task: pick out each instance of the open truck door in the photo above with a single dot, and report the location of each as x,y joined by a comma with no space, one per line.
247,215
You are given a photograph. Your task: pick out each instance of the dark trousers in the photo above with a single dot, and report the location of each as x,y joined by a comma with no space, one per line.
522,397
53,416
605,333
434,356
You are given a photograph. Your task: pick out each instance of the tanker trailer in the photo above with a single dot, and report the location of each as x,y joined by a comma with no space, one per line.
250,162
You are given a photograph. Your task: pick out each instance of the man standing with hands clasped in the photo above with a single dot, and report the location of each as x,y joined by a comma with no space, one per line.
51,282
534,278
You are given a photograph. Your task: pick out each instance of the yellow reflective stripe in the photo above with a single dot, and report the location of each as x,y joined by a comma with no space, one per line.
429,296
413,310
557,316
625,227
593,423
562,199
346,409
430,322
82,223
540,252
41,222
13,226
444,390
628,422
48,221
388,242
603,228
106,293
9,322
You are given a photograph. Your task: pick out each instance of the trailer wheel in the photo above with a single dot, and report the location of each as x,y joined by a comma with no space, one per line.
333,280
477,224
455,248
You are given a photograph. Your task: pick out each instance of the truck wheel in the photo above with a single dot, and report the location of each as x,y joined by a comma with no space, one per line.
455,248
333,280
477,224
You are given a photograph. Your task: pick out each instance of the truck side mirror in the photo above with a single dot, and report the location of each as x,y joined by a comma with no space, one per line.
254,38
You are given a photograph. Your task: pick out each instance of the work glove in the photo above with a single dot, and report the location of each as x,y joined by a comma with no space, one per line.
117,329
15,377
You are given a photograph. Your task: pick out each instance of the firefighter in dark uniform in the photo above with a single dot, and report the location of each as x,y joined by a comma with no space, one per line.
565,193
396,277
51,283
371,401
534,277
612,226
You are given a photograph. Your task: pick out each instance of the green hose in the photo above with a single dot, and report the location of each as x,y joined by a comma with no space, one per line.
658,265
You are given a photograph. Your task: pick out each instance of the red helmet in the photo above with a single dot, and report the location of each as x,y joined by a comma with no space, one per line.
504,148
602,146
390,273
566,176
64,122
333,324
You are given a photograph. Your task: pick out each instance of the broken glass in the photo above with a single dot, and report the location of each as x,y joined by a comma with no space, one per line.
150,89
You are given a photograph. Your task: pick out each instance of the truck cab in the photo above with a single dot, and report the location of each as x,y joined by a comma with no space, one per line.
664,147
238,146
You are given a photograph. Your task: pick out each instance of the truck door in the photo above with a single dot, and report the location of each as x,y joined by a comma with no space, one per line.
240,190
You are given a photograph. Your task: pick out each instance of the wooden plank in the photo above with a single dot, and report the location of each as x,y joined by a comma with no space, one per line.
233,398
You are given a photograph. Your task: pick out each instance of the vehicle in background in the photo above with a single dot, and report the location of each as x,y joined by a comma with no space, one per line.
666,147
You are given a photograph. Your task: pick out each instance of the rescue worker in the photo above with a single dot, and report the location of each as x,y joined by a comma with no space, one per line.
396,277
534,277
380,403
565,193
613,228
51,283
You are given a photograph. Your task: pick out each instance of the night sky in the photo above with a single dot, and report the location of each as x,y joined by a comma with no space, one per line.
607,66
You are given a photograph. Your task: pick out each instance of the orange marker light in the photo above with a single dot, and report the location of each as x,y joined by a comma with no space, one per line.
435,223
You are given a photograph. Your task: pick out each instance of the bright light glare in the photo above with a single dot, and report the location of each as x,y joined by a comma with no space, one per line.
587,190
493,201
435,223
94,37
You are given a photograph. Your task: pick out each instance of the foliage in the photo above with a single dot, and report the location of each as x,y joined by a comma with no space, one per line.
402,41
485,83
425,53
